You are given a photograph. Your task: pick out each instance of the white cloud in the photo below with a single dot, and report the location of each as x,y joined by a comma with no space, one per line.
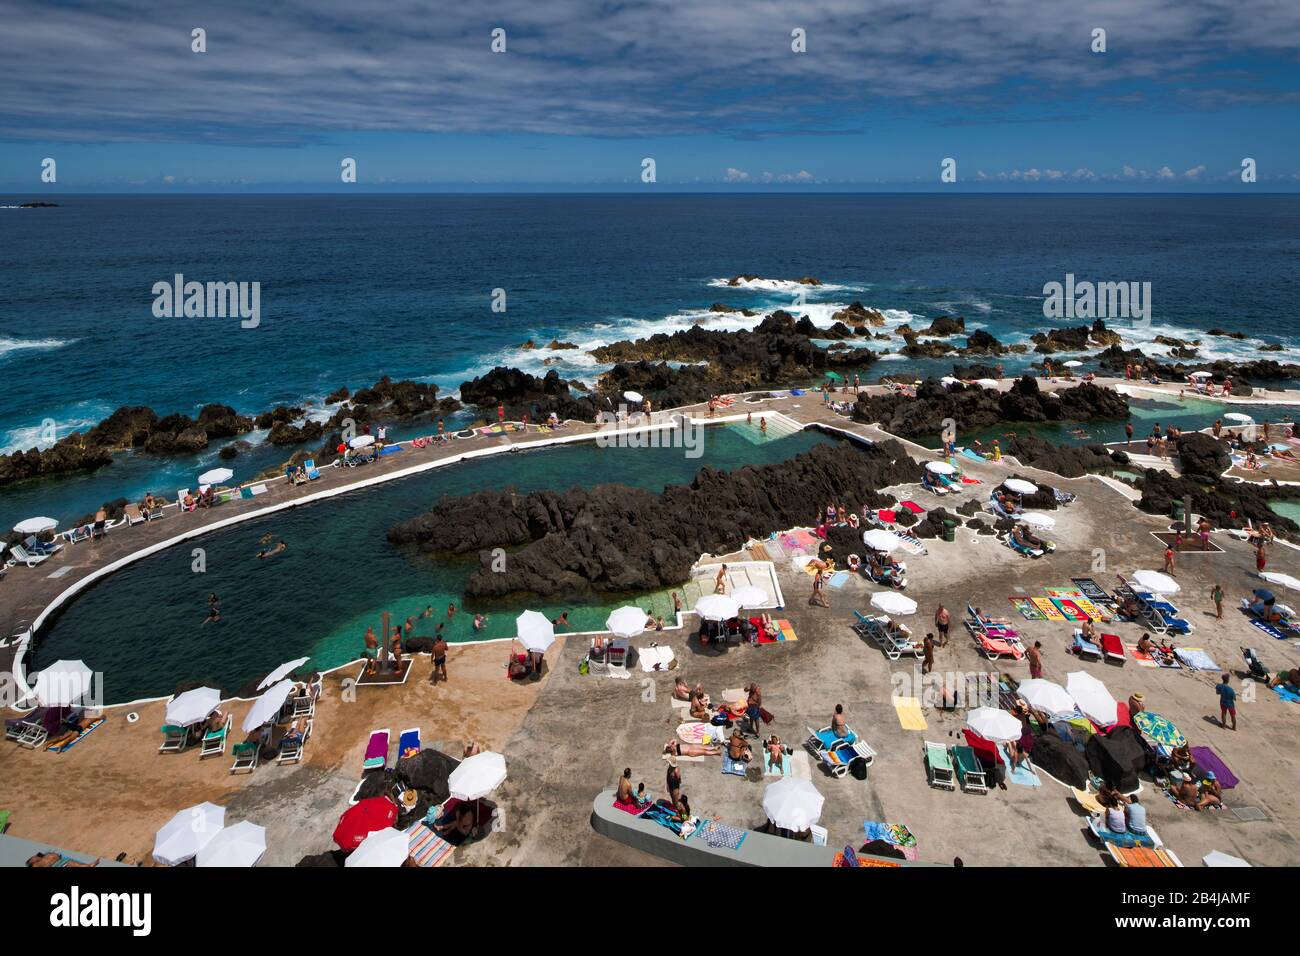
735,175
1195,172
1164,172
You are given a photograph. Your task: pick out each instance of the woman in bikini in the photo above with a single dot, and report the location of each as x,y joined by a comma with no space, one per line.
675,748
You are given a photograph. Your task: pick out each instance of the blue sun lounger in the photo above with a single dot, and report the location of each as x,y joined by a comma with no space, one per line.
1086,648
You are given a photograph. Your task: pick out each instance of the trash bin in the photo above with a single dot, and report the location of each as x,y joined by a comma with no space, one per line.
1176,510
949,530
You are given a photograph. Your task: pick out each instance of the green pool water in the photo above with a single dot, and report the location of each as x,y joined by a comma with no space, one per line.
143,626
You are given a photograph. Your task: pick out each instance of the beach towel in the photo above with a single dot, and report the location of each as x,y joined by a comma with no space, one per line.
972,454
390,449
1070,611
64,748
720,836
1049,610
655,658
735,768
426,847
887,515
1027,609
1094,611
1182,806
698,732
910,716
913,507
1125,839
1207,759
663,815
1139,856
1091,589
1143,660
787,631
1023,774
1071,593
1287,694
376,750
1197,659
895,834
967,480
839,579
246,493
408,745
787,762
1267,628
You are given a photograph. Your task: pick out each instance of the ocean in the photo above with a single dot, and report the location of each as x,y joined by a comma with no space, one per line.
353,288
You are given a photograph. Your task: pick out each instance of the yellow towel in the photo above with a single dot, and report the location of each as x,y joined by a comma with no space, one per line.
1047,607
909,713
1088,801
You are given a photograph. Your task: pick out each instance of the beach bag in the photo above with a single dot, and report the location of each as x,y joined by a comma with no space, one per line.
584,666
858,767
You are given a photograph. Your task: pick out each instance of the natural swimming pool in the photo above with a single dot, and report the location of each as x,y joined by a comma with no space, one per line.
143,626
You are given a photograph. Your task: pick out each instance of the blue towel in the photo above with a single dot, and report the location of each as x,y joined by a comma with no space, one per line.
1267,628
1022,774
839,578
734,767
1285,694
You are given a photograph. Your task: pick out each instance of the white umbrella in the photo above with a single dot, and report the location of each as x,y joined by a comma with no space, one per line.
362,441
878,539
477,776
281,672
793,804
1037,520
636,398
1073,363
536,632
986,382
626,621
1202,375
939,467
192,706
1020,486
891,602
1092,697
63,683
386,847
216,476
1219,858
1049,697
240,845
749,595
1238,417
1157,582
266,707
1280,579
995,724
185,834
36,525
717,607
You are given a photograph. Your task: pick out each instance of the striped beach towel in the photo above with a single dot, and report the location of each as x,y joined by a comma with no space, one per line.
1070,610
427,848
1092,610
787,631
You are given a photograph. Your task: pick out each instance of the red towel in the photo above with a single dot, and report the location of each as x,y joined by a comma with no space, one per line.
913,507
886,516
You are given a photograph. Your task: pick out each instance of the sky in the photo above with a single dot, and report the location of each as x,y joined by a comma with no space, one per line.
1016,93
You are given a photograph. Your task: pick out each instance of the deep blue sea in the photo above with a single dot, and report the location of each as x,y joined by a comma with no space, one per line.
355,288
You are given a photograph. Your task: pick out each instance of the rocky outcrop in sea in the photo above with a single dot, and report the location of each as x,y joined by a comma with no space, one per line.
612,538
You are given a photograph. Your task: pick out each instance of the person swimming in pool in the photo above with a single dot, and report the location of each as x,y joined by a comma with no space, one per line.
272,552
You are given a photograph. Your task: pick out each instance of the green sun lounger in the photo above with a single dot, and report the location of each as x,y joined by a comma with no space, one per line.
938,765
970,772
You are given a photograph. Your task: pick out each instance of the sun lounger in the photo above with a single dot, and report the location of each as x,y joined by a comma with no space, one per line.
976,623
839,757
1097,824
22,556
309,466
376,750
246,757
995,648
175,739
1086,648
133,515
1019,548
81,533
938,765
970,772
822,740
15,727
214,741
1113,647
408,744
1147,857
292,744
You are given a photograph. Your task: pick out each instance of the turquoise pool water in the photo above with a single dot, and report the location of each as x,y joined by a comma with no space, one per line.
143,626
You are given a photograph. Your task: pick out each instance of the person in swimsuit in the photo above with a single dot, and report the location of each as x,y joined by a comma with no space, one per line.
214,615
439,660
675,748
775,754
720,582
681,689
53,859
839,726
673,779
737,749
625,793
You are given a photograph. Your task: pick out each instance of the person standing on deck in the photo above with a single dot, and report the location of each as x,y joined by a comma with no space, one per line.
1169,561
1261,559
941,622
819,591
439,659
1035,657
720,582
1227,701
1217,597
1128,433
927,664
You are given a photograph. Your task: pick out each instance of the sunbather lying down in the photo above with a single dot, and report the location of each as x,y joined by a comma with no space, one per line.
52,858
676,748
